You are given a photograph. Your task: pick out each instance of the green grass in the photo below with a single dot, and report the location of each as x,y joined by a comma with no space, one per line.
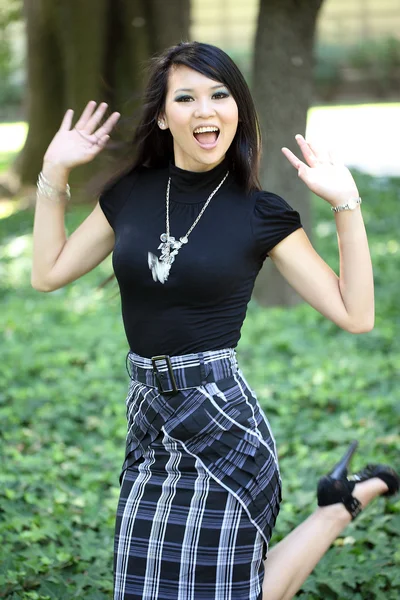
62,389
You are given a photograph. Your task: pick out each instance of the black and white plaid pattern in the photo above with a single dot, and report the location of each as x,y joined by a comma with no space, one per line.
189,370
200,489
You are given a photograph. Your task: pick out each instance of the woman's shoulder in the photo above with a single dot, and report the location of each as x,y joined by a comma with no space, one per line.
273,219
122,186
266,202
125,180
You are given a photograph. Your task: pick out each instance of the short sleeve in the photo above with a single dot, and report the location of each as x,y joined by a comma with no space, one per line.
273,220
114,196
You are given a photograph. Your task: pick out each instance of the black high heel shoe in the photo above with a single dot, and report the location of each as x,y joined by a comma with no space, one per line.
336,487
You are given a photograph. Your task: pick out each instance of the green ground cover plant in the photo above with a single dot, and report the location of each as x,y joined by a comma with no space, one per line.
62,389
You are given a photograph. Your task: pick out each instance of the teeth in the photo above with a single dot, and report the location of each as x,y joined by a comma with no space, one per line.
205,129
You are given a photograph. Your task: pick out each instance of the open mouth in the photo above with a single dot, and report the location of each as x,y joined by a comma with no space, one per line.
206,137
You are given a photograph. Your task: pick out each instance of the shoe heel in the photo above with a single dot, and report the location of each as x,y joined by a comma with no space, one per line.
340,469
335,487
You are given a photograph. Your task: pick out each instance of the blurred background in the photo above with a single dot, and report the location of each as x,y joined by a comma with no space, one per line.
327,68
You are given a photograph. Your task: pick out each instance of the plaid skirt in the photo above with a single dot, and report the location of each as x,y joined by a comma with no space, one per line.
200,485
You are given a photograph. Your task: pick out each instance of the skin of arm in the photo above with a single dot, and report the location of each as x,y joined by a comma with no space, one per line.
347,300
86,248
58,260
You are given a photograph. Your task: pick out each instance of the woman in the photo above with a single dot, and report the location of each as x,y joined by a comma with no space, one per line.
190,228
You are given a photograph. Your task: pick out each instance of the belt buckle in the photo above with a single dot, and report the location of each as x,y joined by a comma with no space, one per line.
166,358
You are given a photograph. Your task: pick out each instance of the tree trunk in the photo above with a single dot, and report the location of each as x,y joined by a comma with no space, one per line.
139,30
92,50
128,49
169,25
282,88
82,29
45,86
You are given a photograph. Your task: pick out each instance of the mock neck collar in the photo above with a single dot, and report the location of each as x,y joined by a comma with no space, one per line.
194,186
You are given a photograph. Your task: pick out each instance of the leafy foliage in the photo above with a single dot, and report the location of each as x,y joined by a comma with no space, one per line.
62,389
375,61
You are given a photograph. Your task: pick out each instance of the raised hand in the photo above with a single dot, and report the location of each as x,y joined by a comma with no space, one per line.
75,146
323,173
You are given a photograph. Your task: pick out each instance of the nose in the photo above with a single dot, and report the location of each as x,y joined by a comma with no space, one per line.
204,108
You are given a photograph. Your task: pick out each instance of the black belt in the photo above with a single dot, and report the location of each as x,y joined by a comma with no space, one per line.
171,378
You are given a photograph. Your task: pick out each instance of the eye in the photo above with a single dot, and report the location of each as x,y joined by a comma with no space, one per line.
217,95
183,98
221,95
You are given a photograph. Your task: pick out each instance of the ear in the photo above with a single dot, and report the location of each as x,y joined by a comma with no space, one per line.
162,122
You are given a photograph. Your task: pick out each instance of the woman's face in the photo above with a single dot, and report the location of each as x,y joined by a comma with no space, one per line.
193,100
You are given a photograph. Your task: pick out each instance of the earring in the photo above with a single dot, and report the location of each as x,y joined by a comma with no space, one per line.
161,124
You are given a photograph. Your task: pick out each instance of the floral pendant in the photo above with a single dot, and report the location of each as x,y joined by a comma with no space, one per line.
160,267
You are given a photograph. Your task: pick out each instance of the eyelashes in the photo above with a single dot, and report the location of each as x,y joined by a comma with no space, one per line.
218,95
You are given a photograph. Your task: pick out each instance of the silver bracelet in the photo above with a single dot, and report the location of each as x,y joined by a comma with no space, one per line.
350,205
46,189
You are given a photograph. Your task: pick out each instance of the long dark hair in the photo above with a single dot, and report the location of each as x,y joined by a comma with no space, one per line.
153,147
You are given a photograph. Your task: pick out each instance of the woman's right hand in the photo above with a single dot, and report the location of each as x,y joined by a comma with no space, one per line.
77,146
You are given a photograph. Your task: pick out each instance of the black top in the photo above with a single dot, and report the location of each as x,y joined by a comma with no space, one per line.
203,303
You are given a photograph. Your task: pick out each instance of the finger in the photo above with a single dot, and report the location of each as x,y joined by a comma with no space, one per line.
85,116
95,118
67,120
103,141
307,151
320,152
292,158
108,126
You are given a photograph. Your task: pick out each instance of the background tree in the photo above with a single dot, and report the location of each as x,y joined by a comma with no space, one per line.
282,87
10,93
92,50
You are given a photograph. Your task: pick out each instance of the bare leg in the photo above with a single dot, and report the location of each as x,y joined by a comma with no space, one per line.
290,562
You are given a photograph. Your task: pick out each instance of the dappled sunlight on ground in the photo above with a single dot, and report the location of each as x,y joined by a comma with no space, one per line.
12,136
365,136
9,207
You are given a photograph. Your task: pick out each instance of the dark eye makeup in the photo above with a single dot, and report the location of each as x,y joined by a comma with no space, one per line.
218,95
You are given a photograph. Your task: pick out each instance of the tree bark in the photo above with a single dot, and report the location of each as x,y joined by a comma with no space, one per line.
169,26
82,34
92,50
45,86
282,89
82,30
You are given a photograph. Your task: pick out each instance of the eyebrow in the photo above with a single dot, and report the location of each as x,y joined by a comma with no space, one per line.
191,90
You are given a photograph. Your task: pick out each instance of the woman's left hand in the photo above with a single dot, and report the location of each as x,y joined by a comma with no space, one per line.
323,174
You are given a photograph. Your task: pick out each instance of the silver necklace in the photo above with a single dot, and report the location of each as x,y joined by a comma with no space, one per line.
160,267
